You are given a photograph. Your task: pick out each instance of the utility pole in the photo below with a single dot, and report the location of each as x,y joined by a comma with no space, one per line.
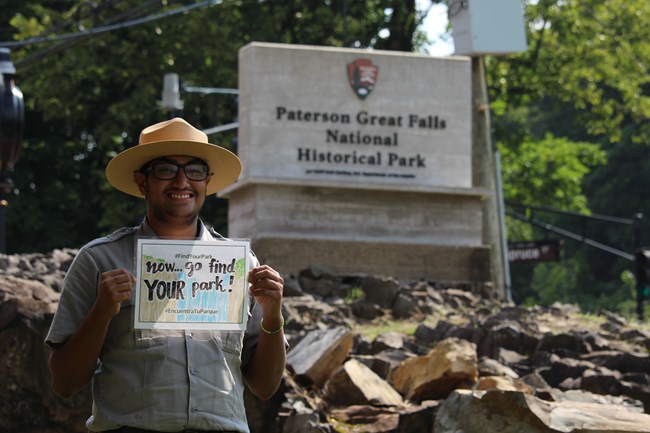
486,174
480,28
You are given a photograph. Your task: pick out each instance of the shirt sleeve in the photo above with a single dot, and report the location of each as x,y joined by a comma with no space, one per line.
77,298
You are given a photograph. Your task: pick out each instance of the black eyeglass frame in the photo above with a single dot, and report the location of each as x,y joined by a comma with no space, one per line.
150,166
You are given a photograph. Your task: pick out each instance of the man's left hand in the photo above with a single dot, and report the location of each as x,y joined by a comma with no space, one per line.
267,287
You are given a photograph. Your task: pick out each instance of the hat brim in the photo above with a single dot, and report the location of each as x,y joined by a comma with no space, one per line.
223,163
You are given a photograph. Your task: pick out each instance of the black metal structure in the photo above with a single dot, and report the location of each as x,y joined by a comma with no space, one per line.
640,256
12,119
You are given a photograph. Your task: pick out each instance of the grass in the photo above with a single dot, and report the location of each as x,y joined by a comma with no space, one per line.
575,321
379,327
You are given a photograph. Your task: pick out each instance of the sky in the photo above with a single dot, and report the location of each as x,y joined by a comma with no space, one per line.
435,25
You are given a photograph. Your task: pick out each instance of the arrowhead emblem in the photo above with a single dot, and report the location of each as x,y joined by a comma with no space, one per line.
362,75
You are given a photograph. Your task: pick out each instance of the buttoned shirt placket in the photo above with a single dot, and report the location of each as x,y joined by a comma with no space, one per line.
193,376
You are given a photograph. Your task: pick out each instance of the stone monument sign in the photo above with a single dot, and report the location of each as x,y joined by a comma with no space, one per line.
360,161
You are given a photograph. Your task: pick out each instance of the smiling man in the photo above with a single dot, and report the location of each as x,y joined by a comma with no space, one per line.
163,380
175,204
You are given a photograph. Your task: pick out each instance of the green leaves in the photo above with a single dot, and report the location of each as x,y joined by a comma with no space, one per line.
572,120
593,55
549,171
88,98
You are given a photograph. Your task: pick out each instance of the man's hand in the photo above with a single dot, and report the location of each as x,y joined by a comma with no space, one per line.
115,287
73,363
264,371
267,286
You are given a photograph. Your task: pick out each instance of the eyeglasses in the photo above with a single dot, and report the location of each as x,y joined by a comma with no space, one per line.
168,170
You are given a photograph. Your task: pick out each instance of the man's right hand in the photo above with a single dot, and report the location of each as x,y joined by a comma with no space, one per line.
73,363
115,287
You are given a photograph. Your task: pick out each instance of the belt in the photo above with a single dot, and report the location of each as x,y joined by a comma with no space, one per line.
139,430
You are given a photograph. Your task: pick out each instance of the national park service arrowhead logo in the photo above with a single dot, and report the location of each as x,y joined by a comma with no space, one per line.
362,75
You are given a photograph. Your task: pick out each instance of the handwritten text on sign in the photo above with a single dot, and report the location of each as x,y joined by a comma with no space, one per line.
191,284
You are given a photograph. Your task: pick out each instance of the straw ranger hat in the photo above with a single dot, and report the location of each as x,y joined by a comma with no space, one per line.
172,137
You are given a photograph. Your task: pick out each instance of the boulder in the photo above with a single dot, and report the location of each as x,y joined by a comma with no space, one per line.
514,412
451,364
356,384
318,354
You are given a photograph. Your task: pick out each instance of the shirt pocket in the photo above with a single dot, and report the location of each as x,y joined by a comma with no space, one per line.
147,338
229,342
122,334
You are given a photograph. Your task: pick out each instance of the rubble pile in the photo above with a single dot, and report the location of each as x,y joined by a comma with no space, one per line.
449,358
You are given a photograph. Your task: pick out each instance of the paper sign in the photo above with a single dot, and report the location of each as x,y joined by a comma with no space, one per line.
191,284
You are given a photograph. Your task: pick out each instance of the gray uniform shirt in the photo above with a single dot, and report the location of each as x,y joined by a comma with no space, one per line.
166,380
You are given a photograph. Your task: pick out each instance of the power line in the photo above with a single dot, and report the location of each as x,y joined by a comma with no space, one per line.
77,15
108,28
67,44
571,235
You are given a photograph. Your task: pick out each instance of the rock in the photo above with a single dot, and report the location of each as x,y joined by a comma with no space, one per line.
628,362
491,367
564,368
514,412
356,384
292,287
380,291
373,419
563,344
411,419
318,354
417,418
510,357
541,389
28,402
366,310
388,360
404,306
451,364
388,340
504,384
508,335
424,334
427,335
588,397
301,419
559,361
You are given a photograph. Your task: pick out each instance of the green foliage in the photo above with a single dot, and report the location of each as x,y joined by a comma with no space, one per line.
585,79
554,282
550,170
590,54
88,98
354,294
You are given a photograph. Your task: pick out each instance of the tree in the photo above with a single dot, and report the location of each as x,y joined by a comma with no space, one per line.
584,78
88,97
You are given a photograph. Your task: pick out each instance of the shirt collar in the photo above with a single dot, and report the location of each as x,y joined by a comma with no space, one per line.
146,230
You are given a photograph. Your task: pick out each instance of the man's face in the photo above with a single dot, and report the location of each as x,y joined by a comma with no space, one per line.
175,200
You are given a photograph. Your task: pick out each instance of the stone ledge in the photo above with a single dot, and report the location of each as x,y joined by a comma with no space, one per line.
477,192
406,261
